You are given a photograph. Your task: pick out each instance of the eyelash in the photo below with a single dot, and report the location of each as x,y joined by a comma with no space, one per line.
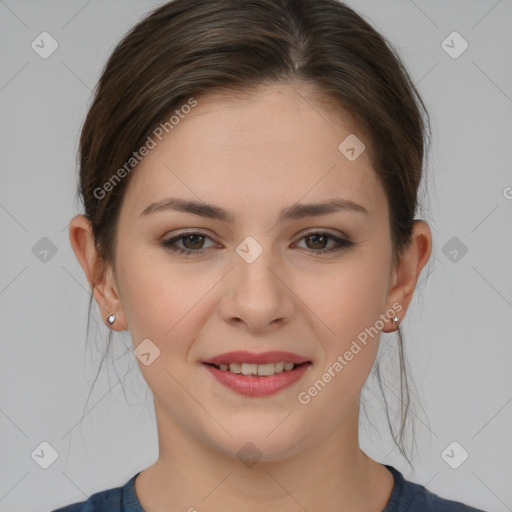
340,243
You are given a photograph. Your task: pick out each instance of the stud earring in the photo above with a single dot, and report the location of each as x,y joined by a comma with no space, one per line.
396,322
111,319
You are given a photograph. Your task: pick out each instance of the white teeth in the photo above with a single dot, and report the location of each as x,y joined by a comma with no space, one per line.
249,369
235,367
257,369
266,369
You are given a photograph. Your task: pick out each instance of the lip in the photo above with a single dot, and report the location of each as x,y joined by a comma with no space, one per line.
252,385
243,356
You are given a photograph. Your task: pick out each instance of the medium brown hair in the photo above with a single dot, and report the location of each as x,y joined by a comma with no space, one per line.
188,48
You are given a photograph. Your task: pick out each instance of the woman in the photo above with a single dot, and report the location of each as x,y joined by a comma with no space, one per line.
249,173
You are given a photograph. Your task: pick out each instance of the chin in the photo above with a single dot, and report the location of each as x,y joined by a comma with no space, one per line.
260,441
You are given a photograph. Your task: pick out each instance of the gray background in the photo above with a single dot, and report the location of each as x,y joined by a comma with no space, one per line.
457,332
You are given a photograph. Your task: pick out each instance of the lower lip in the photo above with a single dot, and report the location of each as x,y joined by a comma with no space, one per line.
252,385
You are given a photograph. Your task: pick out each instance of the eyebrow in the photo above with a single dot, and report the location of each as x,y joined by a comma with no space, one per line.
296,211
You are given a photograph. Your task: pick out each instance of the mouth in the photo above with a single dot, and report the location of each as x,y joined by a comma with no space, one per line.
257,380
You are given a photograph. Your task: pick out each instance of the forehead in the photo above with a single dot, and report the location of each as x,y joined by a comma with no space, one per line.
272,145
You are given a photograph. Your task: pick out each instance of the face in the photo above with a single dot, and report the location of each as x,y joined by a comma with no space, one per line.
252,281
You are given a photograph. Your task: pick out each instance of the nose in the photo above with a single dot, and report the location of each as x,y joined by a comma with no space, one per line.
256,295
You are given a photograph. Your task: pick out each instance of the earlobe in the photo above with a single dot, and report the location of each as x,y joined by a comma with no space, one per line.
106,291
100,279
407,272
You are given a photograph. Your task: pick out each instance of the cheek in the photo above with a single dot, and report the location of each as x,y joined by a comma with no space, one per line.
164,302
350,306
354,294
161,304
152,294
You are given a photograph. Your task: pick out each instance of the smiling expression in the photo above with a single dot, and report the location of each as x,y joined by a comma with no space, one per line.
247,170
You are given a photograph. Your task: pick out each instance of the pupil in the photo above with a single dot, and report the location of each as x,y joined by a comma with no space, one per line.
322,237
191,237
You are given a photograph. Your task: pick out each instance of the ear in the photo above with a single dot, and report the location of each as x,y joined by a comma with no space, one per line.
407,271
100,276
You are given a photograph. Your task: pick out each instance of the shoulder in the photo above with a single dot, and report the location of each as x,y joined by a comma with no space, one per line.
412,497
109,500
117,499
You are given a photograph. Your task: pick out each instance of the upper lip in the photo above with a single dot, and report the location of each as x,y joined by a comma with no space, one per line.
242,356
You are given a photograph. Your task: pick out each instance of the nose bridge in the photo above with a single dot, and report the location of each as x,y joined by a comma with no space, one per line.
258,295
254,262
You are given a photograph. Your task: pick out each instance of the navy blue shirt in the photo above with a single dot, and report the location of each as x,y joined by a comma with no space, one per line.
406,496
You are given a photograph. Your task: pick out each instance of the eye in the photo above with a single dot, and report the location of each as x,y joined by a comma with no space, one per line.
192,242
319,239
